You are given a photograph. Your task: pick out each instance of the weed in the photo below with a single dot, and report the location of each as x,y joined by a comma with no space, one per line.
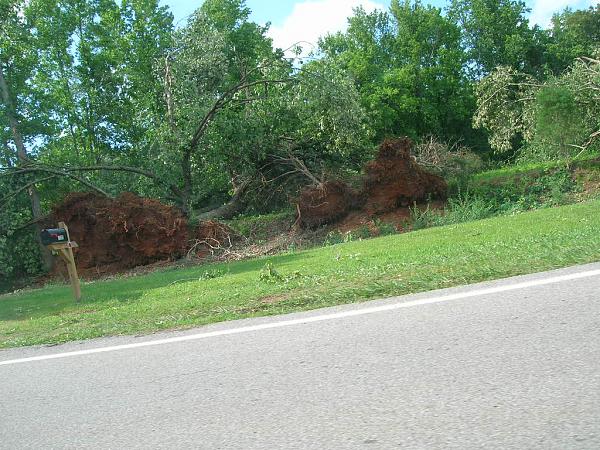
464,208
333,238
269,274
359,234
385,228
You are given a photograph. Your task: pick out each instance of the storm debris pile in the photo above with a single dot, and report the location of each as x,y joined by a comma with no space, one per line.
392,180
122,233
327,203
211,236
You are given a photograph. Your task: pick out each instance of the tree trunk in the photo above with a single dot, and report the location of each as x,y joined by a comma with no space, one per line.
186,191
230,209
34,197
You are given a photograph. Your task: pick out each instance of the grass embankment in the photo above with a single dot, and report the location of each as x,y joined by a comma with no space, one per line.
392,265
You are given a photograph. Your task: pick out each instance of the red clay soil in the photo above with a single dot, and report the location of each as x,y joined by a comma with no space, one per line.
329,202
395,180
121,233
392,181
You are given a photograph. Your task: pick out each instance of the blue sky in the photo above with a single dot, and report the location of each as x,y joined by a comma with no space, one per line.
305,20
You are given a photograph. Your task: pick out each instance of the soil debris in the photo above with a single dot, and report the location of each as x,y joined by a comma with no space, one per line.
121,233
210,236
326,203
394,179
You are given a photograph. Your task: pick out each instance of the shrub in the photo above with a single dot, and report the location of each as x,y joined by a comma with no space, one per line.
19,252
449,161
527,190
465,208
384,228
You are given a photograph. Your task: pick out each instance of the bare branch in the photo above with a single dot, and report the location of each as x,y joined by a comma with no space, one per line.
225,99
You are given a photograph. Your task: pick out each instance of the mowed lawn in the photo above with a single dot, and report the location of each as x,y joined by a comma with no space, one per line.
344,273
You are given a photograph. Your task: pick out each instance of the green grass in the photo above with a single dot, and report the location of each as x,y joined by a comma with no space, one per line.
533,168
392,265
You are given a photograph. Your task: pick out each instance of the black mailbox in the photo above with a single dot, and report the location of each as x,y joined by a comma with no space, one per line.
54,236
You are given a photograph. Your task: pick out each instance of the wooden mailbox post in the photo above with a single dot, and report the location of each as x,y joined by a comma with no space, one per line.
65,251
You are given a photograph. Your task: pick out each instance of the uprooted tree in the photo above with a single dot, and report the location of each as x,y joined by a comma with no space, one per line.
392,180
552,119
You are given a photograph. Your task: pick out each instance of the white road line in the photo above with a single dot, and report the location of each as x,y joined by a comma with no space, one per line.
311,319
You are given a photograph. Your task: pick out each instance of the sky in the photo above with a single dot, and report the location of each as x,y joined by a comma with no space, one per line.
305,21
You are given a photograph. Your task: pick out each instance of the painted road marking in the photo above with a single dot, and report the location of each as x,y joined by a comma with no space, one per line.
312,319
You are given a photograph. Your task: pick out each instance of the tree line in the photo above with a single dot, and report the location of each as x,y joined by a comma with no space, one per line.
110,96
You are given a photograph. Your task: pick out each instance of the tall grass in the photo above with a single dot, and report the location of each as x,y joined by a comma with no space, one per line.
464,208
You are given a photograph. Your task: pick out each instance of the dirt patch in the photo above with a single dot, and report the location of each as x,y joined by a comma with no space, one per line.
395,180
399,218
273,299
329,202
121,233
588,181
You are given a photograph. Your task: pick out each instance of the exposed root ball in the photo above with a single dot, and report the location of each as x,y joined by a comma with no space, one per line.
211,235
326,203
122,233
395,180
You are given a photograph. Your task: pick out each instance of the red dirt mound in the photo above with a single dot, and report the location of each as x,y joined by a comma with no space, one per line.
326,203
395,180
121,233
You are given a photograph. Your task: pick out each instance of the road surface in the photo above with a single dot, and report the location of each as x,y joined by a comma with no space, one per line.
508,364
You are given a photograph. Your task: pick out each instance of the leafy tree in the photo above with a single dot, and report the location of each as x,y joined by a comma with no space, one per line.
574,34
497,33
504,107
556,118
408,69
20,123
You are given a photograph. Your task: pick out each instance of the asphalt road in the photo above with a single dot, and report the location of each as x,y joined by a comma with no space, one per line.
508,364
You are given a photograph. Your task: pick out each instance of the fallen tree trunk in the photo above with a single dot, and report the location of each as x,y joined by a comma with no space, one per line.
230,209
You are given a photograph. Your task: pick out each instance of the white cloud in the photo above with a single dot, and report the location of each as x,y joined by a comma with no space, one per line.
543,10
312,19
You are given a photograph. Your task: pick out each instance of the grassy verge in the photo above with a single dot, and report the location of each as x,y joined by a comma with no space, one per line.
392,265
518,170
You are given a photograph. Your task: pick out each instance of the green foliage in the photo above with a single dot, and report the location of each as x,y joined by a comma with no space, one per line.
465,208
407,65
504,107
574,34
363,232
258,227
19,252
502,192
497,33
385,228
333,238
554,119
210,108
526,190
557,125
269,274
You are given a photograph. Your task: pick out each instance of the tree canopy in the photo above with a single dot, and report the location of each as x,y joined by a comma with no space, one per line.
110,96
